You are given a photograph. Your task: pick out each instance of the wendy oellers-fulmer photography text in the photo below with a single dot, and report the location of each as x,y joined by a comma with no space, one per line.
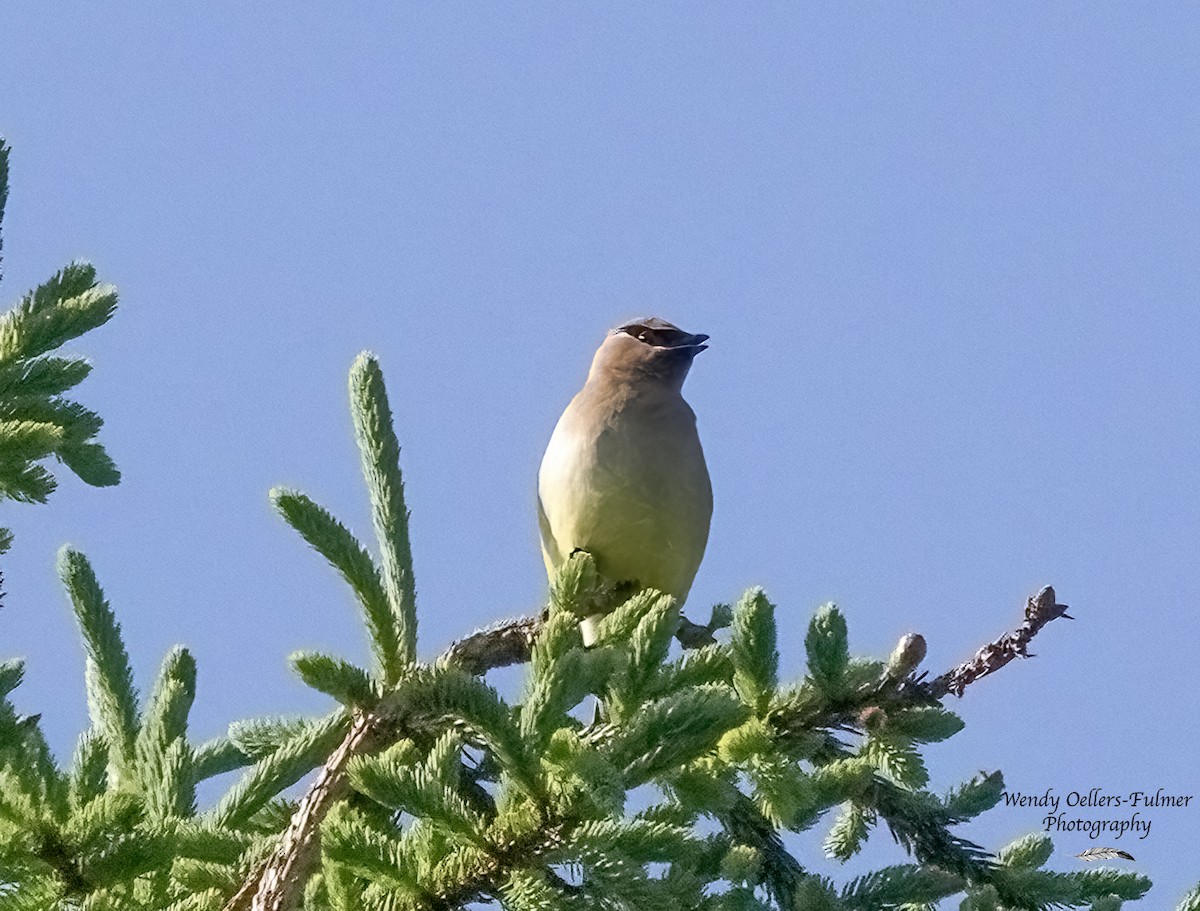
1058,821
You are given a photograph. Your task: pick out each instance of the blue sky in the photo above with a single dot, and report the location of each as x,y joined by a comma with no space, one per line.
947,255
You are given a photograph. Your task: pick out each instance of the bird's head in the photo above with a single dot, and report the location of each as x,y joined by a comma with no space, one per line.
648,349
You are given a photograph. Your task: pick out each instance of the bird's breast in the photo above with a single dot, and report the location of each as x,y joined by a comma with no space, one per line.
630,486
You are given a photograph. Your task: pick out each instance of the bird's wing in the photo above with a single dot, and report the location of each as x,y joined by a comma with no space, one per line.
550,552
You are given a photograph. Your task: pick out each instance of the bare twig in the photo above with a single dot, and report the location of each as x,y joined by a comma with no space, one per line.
500,645
1039,610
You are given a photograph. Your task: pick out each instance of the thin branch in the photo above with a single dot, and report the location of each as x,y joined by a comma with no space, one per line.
511,642
500,645
1039,610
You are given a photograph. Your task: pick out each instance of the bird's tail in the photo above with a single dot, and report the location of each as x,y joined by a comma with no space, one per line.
590,628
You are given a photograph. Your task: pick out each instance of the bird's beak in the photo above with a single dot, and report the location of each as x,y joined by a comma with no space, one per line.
694,342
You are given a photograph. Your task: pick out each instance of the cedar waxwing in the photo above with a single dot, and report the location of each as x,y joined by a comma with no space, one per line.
623,477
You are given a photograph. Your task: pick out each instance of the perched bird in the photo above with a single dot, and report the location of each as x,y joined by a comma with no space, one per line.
624,477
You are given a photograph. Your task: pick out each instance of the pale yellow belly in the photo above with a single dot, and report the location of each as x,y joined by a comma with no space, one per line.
641,510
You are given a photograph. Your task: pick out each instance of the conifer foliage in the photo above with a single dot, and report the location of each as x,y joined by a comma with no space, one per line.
435,792
36,421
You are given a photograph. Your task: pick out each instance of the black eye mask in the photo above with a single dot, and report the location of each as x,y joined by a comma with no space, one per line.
659,333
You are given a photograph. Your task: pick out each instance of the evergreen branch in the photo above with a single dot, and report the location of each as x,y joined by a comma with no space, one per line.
24,483
450,692
124,859
61,309
165,719
827,645
77,422
271,817
468,875
21,444
163,757
919,823
704,663
216,757
260,737
205,900
782,874
43,377
561,686
280,770
362,849
580,583
347,683
641,840
755,657
923,723
209,844
646,645
893,887
1042,890
91,463
332,540
381,468
169,786
198,876
1190,902
672,731
89,770
34,422
112,700
12,672
93,828
396,781
24,440
30,784
72,281
1027,853
532,890
278,883
802,799
740,898
849,831
838,701
976,796
897,759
